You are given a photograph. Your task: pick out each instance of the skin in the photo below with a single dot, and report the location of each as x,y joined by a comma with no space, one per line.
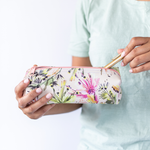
40,108
137,57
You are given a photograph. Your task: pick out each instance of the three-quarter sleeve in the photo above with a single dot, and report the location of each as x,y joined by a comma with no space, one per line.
79,41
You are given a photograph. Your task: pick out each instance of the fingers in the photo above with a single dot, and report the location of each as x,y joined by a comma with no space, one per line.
41,112
36,109
135,41
38,104
137,54
23,101
144,58
39,108
138,57
20,88
141,68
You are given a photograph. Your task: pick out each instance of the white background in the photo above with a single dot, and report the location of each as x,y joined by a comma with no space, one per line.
34,32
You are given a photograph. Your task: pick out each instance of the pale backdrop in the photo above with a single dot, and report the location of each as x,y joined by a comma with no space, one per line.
34,32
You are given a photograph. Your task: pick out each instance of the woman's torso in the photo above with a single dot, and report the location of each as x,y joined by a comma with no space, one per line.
112,24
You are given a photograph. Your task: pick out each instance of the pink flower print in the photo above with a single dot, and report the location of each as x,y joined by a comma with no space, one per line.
89,85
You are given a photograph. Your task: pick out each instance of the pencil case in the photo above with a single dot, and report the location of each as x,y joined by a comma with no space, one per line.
76,84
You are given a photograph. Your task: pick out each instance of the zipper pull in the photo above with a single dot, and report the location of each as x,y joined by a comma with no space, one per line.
32,70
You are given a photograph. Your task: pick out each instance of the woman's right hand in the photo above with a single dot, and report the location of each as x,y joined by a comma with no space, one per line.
36,109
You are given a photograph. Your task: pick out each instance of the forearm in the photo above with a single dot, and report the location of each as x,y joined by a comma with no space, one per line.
81,61
63,108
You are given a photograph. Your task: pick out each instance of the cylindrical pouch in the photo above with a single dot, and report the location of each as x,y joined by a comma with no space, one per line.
76,84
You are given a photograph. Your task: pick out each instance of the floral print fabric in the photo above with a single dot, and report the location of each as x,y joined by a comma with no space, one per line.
76,85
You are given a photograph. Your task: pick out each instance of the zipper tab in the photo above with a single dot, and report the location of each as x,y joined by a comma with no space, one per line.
32,70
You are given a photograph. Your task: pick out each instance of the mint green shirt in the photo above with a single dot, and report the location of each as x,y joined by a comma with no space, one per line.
100,28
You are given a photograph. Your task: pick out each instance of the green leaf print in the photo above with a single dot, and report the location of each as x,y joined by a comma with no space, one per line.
115,99
68,99
116,68
83,71
62,89
53,100
105,95
59,97
109,96
108,102
46,83
73,74
64,93
55,96
33,86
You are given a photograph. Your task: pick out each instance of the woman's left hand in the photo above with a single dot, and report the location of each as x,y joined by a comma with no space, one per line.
138,57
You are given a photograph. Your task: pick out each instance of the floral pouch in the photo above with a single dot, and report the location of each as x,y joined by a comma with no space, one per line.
76,85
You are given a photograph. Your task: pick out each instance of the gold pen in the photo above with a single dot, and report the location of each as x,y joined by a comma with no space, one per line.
114,61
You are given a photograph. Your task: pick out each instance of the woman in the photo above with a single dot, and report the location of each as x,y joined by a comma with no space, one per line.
101,27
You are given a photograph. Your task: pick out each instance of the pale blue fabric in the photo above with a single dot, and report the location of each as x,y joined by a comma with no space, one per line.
100,28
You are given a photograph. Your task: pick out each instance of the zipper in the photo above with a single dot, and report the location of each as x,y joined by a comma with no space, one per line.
32,70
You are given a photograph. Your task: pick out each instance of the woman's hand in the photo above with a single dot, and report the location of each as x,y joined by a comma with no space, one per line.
138,57
38,108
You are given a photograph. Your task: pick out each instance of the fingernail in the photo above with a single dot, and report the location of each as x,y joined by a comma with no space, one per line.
122,64
26,80
131,70
38,90
49,95
123,54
